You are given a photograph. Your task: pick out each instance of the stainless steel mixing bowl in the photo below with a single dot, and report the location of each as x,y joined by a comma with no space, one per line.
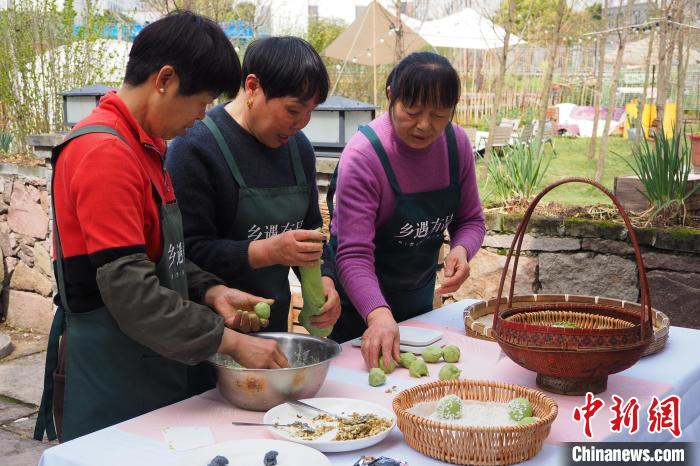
261,389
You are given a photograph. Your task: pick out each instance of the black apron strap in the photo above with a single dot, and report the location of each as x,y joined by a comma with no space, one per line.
331,192
228,156
383,158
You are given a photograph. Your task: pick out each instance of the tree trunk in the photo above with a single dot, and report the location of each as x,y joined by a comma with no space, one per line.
502,65
598,89
682,70
643,103
663,50
622,39
549,74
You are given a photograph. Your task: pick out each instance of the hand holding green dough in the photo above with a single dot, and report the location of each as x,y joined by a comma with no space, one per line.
418,368
387,370
432,354
314,297
449,372
406,359
377,377
451,353
262,310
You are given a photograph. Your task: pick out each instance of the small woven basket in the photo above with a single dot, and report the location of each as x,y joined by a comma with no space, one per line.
460,444
604,338
478,317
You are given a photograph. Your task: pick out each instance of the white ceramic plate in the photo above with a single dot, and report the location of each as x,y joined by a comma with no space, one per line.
250,452
286,413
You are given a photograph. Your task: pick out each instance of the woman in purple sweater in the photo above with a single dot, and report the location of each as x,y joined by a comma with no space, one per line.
402,181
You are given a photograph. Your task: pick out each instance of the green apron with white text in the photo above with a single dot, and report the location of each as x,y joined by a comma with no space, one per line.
262,213
109,377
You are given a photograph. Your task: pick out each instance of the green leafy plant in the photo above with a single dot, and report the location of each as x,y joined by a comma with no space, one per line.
515,177
663,168
5,140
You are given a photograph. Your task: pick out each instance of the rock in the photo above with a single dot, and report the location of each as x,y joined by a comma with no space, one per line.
677,295
2,271
8,240
44,201
24,240
28,310
485,274
7,191
655,260
10,264
26,255
42,260
33,193
3,207
607,246
588,274
29,279
534,243
26,216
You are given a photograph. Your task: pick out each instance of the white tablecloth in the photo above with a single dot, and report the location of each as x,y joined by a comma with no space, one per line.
673,371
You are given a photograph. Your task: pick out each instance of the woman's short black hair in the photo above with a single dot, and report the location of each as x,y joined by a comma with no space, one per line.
423,78
194,46
286,66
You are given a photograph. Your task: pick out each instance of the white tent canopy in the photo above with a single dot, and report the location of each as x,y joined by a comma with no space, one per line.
466,29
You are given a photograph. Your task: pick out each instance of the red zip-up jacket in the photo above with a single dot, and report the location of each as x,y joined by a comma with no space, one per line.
109,225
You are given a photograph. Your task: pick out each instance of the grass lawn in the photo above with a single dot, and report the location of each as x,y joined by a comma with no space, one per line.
572,160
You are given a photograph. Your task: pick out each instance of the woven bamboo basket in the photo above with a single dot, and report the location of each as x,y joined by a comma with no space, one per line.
605,338
459,444
478,317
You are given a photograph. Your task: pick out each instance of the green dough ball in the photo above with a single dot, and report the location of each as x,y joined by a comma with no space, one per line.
527,420
387,370
432,354
449,372
449,407
406,359
519,408
418,368
262,310
377,377
451,353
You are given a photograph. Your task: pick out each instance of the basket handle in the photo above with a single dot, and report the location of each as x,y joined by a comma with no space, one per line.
645,307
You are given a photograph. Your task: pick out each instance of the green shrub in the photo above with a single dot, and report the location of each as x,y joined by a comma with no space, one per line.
5,140
663,168
515,177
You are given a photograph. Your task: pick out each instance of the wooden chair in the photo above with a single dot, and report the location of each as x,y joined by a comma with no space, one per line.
471,134
514,123
547,135
501,137
526,133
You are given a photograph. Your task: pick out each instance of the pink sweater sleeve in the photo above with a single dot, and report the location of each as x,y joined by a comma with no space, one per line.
356,211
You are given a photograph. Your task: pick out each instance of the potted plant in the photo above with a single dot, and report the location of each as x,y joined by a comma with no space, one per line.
632,128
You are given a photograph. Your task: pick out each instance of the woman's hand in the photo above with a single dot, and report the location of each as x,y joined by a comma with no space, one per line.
382,335
236,307
330,312
291,248
252,352
456,270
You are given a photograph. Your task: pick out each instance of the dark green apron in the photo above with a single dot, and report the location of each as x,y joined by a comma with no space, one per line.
263,213
407,246
109,377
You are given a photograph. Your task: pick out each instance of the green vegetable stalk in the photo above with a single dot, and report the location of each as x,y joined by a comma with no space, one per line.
314,298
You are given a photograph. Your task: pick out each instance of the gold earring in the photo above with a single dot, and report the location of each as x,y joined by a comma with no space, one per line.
249,103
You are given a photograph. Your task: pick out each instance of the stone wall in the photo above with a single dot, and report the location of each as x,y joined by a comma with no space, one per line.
594,258
26,272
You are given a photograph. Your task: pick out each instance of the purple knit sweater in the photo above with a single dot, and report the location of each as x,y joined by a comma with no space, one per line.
365,202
